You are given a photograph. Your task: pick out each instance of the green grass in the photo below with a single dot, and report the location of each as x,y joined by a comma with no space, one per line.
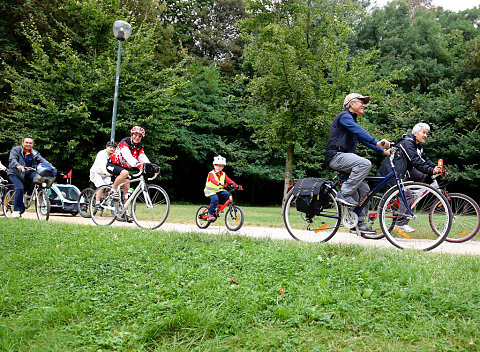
83,288
254,216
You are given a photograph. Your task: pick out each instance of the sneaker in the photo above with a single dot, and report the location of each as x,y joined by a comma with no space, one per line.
406,228
346,200
115,194
16,214
211,218
363,229
98,206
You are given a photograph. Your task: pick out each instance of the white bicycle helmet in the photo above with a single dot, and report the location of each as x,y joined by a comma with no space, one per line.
219,160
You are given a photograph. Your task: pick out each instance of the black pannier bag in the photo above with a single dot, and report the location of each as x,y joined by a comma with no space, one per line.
312,195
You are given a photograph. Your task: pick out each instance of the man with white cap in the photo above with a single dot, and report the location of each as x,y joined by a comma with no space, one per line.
340,153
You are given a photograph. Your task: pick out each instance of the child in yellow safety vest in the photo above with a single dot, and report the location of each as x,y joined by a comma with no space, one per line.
216,181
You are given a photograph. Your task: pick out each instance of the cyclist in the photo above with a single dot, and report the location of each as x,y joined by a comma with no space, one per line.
22,156
98,172
129,153
340,153
412,164
216,181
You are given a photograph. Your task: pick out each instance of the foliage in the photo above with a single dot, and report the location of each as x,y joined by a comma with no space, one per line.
77,288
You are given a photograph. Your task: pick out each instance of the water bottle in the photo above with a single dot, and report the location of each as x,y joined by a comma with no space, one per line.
129,193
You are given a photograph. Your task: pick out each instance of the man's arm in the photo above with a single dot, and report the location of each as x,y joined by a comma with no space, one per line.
409,149
363,136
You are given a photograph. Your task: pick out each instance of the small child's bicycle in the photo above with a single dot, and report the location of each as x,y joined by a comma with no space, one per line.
233,217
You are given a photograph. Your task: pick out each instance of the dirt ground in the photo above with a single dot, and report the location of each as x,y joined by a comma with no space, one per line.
471,247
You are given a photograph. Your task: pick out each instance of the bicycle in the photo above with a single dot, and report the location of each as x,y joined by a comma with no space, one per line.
466,213
149,204
83,203
39,195
4,187
234,217
427,212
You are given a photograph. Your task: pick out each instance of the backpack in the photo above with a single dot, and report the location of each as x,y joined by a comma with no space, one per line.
311,195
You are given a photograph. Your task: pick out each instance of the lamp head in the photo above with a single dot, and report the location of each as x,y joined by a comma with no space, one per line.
122,30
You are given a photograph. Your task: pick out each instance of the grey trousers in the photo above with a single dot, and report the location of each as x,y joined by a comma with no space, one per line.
413,175
355,186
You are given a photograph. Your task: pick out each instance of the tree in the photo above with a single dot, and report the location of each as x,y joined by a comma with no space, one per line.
302,70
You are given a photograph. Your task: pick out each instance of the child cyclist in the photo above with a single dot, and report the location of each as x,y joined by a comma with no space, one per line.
129,153
216,181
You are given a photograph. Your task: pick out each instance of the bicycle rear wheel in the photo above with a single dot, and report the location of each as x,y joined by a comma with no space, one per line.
103,214
466,218
150,207
430,210
7,202
234,218
311,228
42,205
201,217
83,203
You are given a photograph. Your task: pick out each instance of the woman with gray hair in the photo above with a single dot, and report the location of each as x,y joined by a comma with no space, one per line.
412,163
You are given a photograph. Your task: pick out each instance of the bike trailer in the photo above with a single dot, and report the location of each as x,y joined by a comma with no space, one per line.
63,198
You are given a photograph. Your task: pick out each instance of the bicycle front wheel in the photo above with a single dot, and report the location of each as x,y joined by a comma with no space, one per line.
466,218
201,217
308,227
430,211
103,213
234,218
7,202
42,205
83,203
150,207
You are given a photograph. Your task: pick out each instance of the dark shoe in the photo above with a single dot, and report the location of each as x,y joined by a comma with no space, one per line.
346,200
363,229
125,218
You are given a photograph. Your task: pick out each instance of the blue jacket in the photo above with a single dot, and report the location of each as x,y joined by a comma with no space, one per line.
17,158
344,133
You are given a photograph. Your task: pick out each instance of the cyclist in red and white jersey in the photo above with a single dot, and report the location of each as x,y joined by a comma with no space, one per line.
128,154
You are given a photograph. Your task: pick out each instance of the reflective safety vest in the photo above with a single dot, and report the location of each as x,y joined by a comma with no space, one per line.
210,187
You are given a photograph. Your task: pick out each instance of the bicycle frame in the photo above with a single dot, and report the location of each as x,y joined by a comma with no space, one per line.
381,181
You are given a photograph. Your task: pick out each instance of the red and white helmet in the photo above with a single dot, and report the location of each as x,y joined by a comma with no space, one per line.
137,129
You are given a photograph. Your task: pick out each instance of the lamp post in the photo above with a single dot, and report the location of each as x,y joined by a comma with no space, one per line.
122,31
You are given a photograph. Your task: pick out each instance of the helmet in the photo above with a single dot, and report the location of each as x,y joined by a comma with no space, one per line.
137,129
111,144
219,160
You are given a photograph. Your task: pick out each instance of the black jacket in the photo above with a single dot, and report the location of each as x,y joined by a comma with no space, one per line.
17,158
410,155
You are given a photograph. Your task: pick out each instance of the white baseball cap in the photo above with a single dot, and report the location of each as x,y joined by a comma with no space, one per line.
352,96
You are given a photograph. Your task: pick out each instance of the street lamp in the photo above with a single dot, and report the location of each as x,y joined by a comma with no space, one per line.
122,31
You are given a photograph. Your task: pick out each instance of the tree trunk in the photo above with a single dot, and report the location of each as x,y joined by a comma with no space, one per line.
288,171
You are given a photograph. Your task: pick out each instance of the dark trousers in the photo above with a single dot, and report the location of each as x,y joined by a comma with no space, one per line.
19,188
221,197
413,175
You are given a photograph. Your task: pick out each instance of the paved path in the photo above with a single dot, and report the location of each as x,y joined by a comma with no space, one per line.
469,247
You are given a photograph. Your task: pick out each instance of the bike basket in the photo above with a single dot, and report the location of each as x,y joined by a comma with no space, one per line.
311,195
45,181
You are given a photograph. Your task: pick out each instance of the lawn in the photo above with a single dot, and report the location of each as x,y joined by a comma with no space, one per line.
82,288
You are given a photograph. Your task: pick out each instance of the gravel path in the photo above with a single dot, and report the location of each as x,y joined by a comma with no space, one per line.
470,247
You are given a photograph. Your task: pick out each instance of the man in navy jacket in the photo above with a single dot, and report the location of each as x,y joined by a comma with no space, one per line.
22,156
340,153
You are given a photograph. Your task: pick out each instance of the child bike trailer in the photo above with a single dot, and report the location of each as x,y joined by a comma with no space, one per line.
63,198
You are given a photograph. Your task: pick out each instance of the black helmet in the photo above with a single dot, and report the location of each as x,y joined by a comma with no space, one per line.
111,144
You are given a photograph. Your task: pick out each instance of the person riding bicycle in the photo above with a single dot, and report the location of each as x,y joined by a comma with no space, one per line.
128,154
340,153
98,172
216,181
412,164
22,156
